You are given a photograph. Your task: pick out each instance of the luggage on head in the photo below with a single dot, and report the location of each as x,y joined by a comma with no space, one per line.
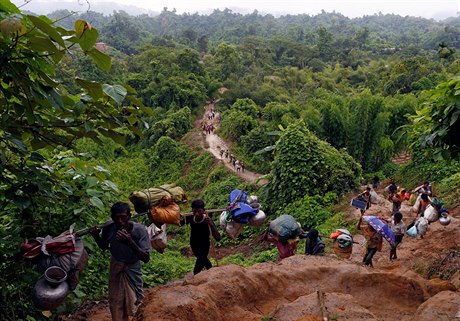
284,228
343,243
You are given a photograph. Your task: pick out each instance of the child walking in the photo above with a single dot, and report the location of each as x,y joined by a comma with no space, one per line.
399,229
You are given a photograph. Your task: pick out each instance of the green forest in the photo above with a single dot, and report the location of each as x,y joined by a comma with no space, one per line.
95,107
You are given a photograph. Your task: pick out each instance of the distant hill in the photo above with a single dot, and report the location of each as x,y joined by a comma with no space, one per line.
106,8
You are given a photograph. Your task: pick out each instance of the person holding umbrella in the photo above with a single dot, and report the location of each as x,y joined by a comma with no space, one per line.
373,243
399,229
374,232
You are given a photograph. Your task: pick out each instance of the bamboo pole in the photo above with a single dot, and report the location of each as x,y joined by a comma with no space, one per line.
85,231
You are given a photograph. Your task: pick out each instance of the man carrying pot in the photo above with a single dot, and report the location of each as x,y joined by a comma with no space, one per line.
129,244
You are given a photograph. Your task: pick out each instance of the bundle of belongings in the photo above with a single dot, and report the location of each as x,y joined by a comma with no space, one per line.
343,243
285,228
161,205
241,209
65,253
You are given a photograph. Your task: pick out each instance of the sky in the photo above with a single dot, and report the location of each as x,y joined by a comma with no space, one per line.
349,8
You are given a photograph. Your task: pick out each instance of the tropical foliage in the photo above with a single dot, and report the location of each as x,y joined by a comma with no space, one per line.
327,98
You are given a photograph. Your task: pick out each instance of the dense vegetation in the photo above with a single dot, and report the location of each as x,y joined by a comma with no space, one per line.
315,102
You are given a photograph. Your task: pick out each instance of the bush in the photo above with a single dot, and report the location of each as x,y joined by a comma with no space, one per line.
306,165
389,169
310,211
449,190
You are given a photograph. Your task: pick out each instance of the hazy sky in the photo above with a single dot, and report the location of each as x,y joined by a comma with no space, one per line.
350,8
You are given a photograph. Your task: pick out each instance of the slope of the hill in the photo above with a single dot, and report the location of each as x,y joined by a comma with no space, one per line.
318,288
312,288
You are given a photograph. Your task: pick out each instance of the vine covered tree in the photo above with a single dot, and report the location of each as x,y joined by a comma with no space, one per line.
305,165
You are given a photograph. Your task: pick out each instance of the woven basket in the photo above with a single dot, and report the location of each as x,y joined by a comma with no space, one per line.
342,252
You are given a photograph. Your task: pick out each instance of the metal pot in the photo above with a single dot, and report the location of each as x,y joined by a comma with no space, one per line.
51,290
444,219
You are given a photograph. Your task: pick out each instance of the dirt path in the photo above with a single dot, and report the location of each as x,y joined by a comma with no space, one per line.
214,145
413,253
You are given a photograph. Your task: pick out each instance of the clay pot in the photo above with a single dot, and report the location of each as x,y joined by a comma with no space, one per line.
51,290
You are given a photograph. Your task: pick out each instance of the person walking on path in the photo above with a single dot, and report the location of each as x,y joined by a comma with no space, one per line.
373,242
425,188
399,229
392,189
129,244
202,227
286,248
397,200
366,197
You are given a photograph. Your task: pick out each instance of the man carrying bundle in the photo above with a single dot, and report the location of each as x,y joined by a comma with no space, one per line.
129,244
202,226
284,232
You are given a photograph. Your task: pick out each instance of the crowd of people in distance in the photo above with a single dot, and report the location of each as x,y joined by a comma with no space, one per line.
208,126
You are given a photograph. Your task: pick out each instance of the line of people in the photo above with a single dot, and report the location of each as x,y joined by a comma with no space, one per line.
238,165
208,128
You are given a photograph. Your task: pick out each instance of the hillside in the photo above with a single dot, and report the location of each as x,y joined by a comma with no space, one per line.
317,288
300,287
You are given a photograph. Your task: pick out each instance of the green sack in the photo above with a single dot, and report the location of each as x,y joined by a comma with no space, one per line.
146,198
284,228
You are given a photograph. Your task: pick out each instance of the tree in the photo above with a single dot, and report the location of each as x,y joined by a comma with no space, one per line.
247,106
305,165
45,186
437,124
121,32
228,60
235,124
325,44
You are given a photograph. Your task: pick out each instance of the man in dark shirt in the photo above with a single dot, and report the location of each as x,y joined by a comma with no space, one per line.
202,227
129,244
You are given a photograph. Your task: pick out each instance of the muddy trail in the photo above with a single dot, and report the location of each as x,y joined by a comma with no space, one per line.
211,142
308,288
